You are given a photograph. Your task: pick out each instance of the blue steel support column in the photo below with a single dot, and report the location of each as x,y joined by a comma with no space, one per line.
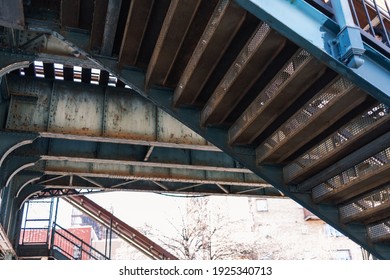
9,211
312,30
10,196
349,41
4,206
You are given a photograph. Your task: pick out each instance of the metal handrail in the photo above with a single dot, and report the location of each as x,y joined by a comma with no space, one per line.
367,7
380,13
62,240
129,234
29,236
84,248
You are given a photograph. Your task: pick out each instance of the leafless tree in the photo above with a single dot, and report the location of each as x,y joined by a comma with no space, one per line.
203,233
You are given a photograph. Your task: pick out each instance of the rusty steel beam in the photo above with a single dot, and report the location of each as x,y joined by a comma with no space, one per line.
220,31
127,141
62,110
12,14
264,45
111,22
135,29
112,162
174,29
152,177
54,180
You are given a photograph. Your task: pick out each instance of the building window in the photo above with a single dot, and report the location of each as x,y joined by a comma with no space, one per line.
305,230
343,254
261,205
330,231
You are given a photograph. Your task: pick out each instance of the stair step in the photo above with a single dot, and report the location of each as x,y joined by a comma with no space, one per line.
33,250
110,27
324,109
137,22
358,132
355,181
220,30
70,13
264,45
173,31
369,209
97,30
380,232
299,73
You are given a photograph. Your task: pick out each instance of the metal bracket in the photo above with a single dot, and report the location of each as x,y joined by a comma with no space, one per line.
348,45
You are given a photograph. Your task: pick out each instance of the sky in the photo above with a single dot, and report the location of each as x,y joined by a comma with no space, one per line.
156,210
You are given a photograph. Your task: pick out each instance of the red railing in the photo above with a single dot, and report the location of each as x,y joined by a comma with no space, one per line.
61,240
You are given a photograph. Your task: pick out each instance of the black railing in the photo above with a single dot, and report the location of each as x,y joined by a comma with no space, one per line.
374,20
371,16
72,246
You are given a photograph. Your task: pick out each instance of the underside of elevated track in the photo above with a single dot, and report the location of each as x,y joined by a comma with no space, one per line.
199,97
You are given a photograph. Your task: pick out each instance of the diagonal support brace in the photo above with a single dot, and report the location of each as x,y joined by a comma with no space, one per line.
348,45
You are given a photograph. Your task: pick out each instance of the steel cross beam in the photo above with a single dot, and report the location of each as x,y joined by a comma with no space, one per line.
121,115
315,32
52,181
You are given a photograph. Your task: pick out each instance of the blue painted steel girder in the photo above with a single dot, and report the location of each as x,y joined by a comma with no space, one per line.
163,98
314,31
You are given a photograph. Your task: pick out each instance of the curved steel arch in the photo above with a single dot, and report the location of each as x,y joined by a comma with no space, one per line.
14,141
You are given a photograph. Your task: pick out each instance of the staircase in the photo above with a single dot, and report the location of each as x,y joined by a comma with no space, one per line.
60,244
41,237
309,119
123,230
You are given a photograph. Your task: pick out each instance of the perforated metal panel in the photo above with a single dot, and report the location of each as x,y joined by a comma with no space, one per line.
373,200
280,80
355,173
245,56
379,232
356,127
317,104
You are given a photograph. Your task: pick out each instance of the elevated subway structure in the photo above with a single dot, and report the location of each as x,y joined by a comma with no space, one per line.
299,103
